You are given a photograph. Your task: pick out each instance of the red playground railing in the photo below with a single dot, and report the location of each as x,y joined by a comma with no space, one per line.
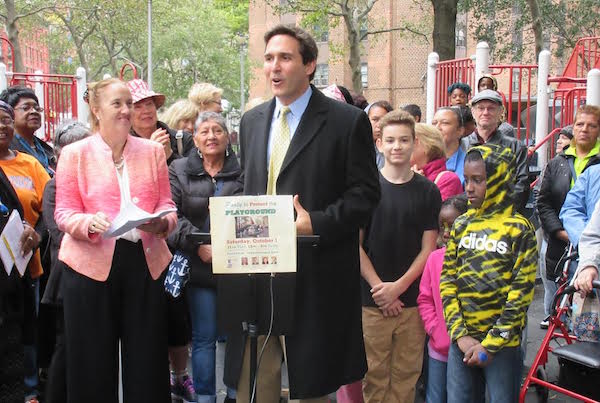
59,97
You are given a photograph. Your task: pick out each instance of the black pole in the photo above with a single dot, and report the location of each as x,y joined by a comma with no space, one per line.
253,347
253,335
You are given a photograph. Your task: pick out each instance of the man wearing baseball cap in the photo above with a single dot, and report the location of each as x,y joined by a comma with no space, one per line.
145,123
487,110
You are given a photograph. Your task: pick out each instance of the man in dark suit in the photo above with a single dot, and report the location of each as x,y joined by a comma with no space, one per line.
328,164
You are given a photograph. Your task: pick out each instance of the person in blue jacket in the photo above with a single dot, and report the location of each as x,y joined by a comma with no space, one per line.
579,203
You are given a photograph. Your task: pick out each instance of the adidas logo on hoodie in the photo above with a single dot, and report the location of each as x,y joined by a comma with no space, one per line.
473,242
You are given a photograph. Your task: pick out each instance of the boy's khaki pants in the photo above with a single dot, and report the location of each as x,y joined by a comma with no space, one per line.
394,347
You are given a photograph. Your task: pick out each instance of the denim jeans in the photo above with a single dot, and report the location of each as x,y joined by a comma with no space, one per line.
436,381
550,286
502,377
203,313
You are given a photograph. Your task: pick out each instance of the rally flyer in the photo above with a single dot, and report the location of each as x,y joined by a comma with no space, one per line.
253,234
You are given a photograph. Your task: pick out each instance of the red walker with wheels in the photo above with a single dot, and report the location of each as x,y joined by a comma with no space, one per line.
580,353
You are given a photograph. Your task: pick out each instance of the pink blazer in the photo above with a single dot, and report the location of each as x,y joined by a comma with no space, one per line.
86,183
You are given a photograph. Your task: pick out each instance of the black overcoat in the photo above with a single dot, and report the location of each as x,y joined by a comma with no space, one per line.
330,164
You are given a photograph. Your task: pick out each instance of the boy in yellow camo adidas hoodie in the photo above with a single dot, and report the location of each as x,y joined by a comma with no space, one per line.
487,282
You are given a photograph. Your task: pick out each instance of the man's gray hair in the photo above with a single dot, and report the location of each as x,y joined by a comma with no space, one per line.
69,131
211,116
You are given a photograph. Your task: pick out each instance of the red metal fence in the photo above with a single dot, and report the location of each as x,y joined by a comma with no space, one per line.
516,83
449,72
566,100
517,95
60,97
585,56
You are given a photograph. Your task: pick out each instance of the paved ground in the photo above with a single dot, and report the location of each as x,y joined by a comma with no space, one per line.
535,336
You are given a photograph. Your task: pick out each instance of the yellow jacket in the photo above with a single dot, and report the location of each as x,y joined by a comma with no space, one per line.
490,262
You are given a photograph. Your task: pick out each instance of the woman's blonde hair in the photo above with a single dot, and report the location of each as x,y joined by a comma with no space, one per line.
202,94
588,110
94,92
432,140
179,111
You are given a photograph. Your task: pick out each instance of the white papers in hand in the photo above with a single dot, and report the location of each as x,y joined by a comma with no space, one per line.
10,248
130,217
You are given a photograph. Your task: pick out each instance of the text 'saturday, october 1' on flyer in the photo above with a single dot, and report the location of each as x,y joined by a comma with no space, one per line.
253,234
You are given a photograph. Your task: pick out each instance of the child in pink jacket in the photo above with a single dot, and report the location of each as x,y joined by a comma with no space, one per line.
430,304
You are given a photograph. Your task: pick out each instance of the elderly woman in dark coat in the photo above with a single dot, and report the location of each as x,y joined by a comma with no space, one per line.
211,170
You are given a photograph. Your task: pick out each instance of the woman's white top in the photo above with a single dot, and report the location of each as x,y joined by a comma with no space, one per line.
123,178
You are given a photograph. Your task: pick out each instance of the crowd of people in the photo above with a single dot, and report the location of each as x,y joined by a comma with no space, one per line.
425,253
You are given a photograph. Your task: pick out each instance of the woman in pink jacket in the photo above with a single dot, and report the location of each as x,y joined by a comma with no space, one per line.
113,286
430,304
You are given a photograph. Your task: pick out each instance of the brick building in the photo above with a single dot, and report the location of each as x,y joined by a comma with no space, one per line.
34,51
393,63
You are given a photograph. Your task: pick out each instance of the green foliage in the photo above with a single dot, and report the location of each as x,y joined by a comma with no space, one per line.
196,46
563,21
357,19
571,20
236,14
192,40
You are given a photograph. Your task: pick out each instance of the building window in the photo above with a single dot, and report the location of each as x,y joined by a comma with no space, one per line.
320,29
321,34
321,75
364,28
461,39
516,82
364,74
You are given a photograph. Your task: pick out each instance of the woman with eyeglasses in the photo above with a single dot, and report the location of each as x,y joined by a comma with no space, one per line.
206,97
28,177
28,119
16,309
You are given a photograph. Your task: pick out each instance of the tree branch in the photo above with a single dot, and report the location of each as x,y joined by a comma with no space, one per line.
367,10
312,10
100,68
382,31
34,11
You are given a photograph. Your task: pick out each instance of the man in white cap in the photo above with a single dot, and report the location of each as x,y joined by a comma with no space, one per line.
487,110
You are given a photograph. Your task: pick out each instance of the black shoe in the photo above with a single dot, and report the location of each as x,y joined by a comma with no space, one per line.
228,400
